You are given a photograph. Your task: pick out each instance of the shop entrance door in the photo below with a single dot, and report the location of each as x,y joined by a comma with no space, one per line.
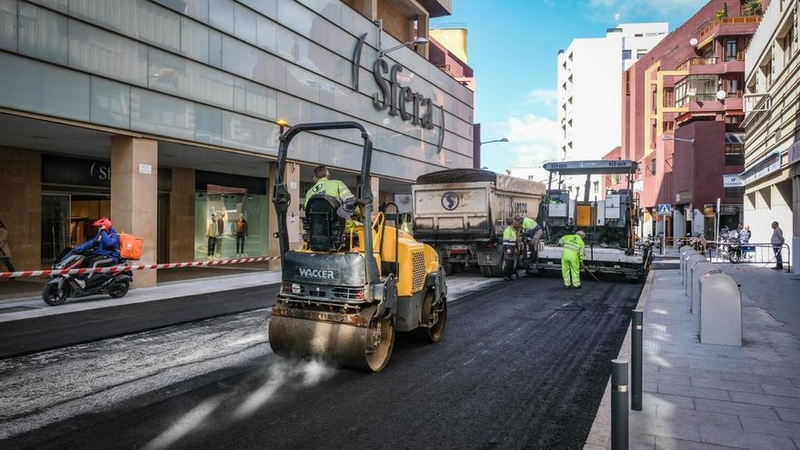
55,226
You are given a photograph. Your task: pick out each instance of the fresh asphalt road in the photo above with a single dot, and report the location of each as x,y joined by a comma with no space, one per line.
522,364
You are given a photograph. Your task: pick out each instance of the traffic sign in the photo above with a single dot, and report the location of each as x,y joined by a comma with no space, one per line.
664,209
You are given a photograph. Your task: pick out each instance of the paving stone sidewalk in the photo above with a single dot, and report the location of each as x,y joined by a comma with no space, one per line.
702,396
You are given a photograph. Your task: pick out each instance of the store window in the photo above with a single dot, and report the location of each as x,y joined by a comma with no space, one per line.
219,232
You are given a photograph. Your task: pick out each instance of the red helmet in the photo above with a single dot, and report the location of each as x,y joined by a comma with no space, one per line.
104,222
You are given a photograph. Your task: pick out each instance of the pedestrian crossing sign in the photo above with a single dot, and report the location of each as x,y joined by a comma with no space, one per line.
665,209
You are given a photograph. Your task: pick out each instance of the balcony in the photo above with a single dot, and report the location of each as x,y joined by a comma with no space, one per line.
729,26
437,8
697,61
698,65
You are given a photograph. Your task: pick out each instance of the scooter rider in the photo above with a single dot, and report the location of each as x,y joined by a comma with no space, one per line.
106,252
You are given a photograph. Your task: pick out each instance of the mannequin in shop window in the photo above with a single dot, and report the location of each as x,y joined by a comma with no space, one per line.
211,234
220,222
240,230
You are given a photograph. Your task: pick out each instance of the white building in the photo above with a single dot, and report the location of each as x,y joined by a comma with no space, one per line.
772,150
590,89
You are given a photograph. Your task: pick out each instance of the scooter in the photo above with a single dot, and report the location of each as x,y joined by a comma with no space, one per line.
64,286
734,250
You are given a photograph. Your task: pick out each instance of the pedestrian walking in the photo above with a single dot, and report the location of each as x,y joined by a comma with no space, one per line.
745,235
777,245
5,248
572,259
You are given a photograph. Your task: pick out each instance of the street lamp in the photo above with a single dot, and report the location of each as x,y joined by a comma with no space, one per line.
673,138
419,40
495,140
381,51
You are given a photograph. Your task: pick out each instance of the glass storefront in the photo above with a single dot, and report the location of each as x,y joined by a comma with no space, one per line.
230,223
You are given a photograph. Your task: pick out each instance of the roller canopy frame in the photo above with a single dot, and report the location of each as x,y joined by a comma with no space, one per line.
282,198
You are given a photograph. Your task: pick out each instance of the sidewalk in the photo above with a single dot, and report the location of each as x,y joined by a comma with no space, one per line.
30,287
701,396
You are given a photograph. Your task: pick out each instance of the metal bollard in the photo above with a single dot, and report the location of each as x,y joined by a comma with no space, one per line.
636,359
619,404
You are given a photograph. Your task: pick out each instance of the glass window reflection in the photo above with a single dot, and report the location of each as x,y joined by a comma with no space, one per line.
110,103
8,24
42,34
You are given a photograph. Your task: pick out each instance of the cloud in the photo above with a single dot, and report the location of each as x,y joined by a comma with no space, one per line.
531,140
546,97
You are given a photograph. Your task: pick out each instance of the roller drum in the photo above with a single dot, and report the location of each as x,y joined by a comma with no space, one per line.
346,340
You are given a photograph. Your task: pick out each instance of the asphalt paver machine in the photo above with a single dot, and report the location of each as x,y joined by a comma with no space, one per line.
609,222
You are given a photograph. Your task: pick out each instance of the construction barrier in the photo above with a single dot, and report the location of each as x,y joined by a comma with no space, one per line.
123,268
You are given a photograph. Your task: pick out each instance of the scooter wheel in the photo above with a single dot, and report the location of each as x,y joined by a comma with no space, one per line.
54,296
120,289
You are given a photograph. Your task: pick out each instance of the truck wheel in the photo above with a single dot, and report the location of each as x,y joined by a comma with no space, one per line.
492,271
448,268
433,332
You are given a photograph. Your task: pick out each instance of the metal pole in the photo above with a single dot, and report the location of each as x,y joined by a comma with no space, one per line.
636,360
619,404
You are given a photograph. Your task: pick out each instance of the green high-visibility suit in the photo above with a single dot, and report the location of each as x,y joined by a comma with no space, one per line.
337,190
571,259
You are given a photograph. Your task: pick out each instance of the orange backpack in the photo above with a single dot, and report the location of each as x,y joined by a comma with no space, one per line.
130,246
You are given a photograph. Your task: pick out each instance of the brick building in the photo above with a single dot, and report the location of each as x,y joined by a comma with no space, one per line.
681,116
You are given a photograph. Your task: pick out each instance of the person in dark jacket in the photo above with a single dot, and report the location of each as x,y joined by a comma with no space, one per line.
5,248
105,246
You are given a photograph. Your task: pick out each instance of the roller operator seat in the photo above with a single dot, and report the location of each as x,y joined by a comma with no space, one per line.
324,229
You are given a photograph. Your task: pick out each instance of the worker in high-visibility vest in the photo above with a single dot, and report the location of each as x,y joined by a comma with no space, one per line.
510,243
572,259
338,190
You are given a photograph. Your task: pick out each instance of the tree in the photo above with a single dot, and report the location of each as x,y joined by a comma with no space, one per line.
751,8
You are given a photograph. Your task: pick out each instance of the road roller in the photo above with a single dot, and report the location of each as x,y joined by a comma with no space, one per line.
346,290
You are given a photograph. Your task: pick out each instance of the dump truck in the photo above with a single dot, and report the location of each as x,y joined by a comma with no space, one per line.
609,223
462,214
345,293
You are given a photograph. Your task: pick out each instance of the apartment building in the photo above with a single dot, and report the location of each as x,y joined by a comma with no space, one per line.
681,114
771,177
160,113
588,89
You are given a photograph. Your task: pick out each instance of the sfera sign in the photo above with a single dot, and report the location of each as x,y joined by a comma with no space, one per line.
399,99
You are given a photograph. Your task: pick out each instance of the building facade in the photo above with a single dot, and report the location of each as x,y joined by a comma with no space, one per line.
162,114
681,120
588,88
771,177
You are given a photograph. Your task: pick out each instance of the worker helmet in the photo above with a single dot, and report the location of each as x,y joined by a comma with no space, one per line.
581,234
104,222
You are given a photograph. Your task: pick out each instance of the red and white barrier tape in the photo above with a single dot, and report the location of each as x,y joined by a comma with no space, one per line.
45,273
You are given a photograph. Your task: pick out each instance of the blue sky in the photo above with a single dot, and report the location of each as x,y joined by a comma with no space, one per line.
512,46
